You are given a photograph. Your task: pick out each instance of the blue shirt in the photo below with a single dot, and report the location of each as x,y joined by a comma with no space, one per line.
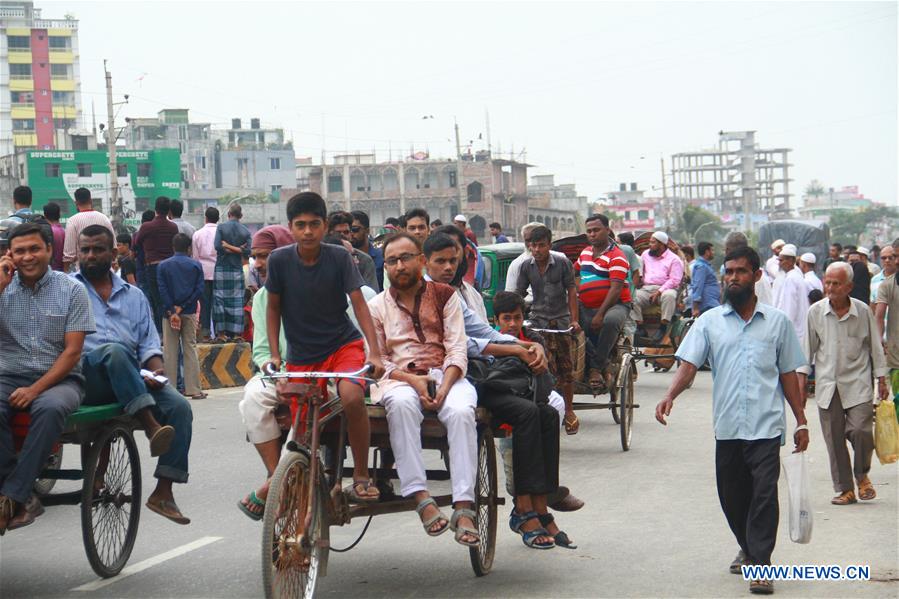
125,319
704,288
502,238
181,282
747,359
377,257
237,235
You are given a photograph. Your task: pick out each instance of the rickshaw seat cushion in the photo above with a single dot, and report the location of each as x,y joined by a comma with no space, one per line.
99,413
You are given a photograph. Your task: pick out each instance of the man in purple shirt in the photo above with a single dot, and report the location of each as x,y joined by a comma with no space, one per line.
51,213
155,240
663,271
204,251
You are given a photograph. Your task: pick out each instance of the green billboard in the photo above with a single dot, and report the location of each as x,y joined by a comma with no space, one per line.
143,175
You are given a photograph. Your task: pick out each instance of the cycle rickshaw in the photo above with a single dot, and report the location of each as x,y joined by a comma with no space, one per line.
306,493
628,349
110,493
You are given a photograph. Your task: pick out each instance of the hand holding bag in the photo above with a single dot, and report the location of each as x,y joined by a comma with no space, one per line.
796,472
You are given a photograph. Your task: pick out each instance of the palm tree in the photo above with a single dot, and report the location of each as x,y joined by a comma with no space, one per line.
815,189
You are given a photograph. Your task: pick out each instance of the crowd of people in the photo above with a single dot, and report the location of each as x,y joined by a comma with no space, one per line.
321,296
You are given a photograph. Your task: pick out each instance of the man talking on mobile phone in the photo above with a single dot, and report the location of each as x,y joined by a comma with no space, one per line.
126,342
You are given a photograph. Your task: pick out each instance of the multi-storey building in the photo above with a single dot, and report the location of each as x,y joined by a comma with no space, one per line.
40,83
559,207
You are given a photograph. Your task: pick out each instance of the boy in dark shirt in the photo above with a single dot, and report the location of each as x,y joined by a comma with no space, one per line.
127,266
308,283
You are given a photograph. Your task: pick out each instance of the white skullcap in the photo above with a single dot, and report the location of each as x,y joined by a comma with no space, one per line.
460,218
661,237
788,250
778,243
808,258
864,250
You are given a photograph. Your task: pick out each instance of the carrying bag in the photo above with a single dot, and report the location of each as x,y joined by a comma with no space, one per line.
886,433
508,374
796,472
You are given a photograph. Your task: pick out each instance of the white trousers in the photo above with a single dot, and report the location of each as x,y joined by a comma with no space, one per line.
404,418
557,402
668,302
258,411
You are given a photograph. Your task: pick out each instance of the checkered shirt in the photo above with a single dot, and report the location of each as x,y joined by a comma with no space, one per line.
34,323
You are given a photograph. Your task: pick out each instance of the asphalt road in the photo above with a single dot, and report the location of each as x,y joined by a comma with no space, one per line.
652,526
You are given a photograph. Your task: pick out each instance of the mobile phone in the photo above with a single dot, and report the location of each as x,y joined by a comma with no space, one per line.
162,380
432,389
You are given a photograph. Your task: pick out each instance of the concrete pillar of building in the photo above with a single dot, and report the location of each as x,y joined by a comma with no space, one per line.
346,188
401,177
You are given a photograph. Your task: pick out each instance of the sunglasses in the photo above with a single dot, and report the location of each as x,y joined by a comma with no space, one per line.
355,229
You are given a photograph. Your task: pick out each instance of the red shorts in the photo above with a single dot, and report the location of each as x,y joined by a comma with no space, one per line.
348,358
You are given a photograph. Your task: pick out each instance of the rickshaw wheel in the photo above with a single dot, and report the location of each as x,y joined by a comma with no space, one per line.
613,407
292,558
626,397
110,500
485,499
43,486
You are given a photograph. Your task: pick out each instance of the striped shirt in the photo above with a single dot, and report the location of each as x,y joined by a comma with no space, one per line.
75,225
597,273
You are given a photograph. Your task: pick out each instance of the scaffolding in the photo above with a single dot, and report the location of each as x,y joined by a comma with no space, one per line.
737,177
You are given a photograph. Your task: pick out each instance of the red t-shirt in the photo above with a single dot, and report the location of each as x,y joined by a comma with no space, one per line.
597,273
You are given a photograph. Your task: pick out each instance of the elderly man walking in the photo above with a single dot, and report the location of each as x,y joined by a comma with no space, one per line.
754,354
663,271
842,340
791,290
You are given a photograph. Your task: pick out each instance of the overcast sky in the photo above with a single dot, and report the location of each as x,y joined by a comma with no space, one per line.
595,93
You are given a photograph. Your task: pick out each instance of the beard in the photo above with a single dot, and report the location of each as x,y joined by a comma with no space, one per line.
357,243
656,253
96,270
739,296
404,281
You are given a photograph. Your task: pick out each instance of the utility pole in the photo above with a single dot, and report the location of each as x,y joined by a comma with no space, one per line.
115,205
458,147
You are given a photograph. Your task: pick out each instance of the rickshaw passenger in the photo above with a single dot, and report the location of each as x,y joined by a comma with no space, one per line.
44,317
421,333
601,272
125,343
663,271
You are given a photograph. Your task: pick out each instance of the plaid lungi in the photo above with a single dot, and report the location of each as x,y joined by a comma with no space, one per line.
228,299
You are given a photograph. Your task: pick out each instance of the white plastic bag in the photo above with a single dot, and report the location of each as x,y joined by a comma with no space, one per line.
796,471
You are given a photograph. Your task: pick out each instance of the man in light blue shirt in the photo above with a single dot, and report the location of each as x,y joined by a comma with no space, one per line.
704,290
754,353
113,361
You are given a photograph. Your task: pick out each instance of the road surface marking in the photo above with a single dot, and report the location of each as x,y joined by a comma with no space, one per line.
147,563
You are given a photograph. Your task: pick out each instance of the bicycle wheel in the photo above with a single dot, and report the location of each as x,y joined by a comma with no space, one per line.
626,395
613,407
110,500
291,556
485,499
43,486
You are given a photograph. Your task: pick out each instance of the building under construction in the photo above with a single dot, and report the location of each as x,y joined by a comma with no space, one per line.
738,179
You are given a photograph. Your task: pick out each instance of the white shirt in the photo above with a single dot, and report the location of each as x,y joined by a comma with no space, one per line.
813,282
772,267
515,269
763,289
791,297
843,350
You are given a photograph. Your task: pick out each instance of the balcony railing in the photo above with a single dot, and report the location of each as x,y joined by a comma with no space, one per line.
20,77
55,24
19,50
23,104
61,78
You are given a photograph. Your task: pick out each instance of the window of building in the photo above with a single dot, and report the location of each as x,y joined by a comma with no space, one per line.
391,183
19,42
475,192
357,181
20,70
410,179
59,70
144,169
275,164
85,169
202,162
59,42
452,178
430,178
643,215
121,170
22,97
373,179
23,125
335,183
276,191
64,124
51,169
66,98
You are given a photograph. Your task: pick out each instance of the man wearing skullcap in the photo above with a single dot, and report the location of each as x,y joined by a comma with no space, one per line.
663,271
807,266
772,264
265,241
791,290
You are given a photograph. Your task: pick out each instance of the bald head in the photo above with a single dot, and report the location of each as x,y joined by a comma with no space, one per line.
888,260
838,283
840,270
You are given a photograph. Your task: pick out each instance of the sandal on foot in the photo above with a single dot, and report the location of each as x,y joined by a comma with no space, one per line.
572,424
438,517
168,509
161,441
461,531
844,498
866,490
366,486
560,537
761,587
253,499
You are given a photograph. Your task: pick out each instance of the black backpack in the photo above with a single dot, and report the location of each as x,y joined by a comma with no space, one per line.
11,222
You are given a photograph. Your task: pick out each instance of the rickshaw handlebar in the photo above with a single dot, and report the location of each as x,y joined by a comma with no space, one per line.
272,374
